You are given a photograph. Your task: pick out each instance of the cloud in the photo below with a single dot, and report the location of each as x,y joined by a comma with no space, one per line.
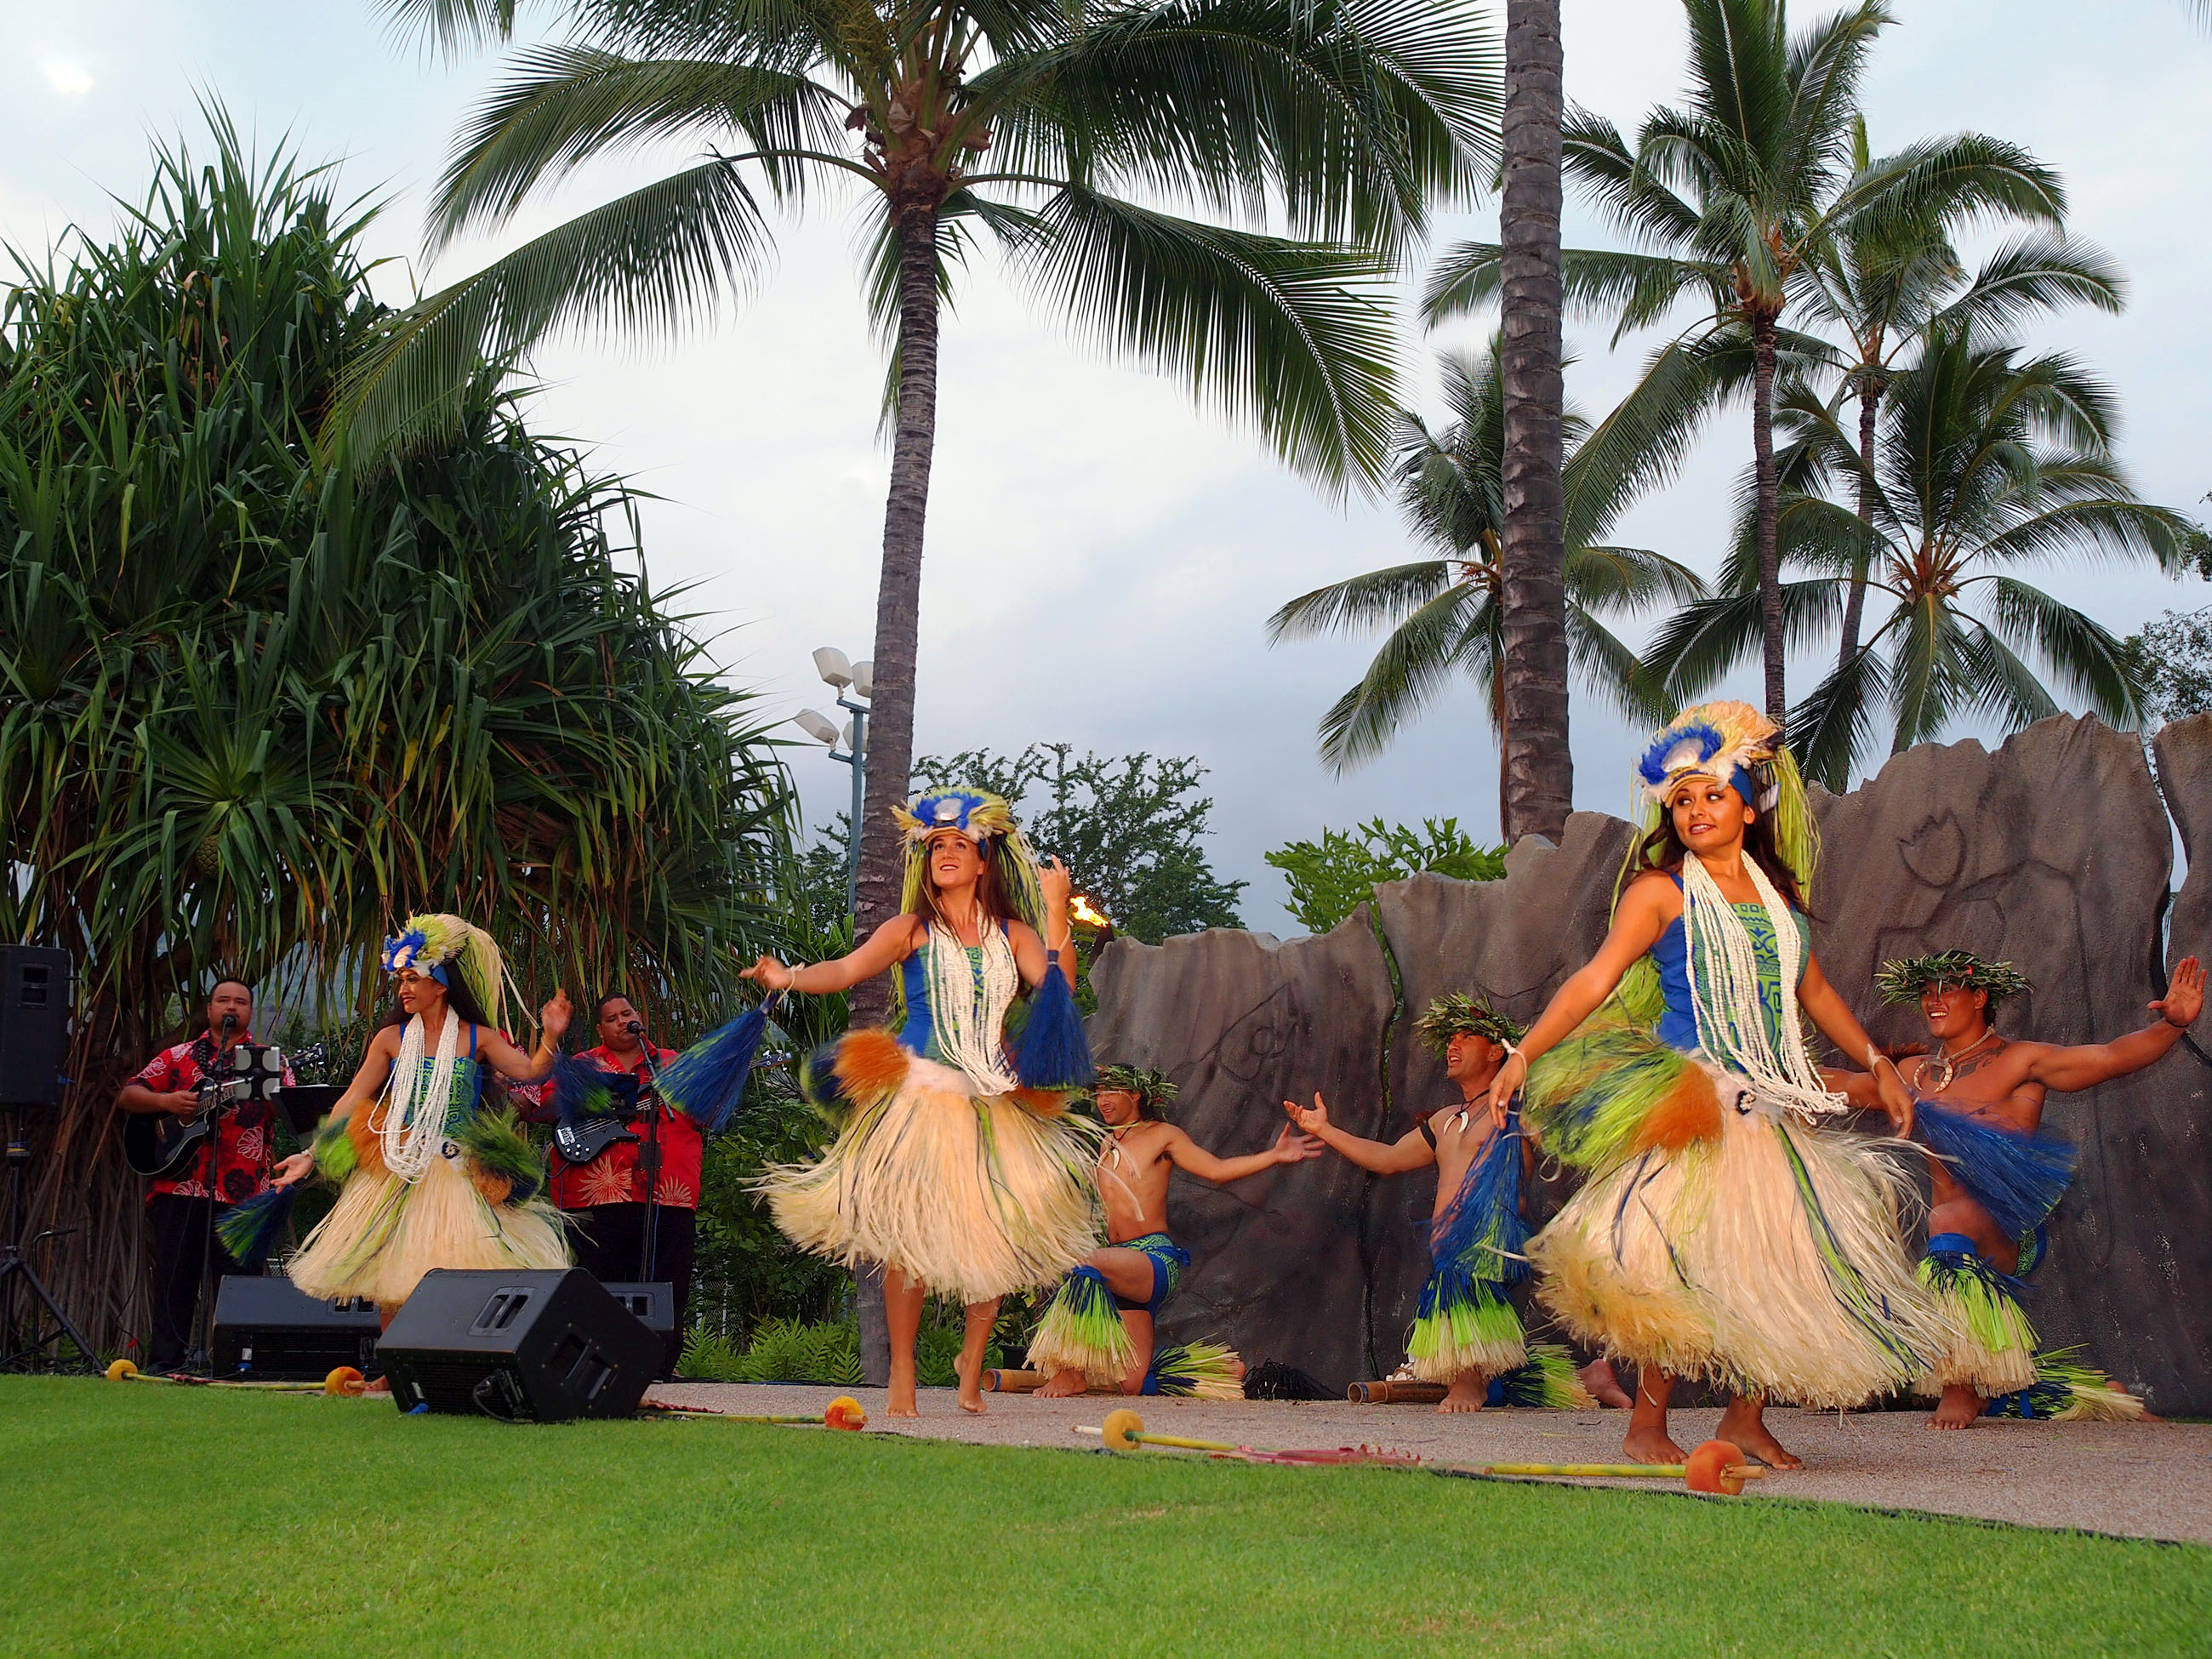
67,76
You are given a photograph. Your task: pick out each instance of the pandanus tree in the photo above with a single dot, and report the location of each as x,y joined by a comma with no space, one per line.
1310,141
1729,196
1987,461
1448,616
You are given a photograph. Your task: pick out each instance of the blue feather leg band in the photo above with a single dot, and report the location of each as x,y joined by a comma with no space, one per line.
2018,1178
248,1230
708,1079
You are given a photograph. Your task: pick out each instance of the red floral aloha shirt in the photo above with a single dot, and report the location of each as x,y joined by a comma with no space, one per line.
244,1143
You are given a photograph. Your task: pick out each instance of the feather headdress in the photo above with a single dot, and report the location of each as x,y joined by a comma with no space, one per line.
1906,978
441,946
984,819
1731,743
1457,1012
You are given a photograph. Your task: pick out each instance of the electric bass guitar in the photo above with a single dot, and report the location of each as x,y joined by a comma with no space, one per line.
159,1143
579,1142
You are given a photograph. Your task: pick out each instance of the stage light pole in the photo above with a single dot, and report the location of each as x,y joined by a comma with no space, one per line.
855,684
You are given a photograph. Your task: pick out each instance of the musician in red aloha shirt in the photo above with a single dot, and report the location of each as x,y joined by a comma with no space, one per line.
605,1199
177,1204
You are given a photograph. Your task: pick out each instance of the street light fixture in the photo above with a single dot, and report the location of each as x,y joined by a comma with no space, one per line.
842,675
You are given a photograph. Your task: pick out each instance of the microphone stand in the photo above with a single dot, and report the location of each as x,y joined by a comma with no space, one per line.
201,1357
648,1160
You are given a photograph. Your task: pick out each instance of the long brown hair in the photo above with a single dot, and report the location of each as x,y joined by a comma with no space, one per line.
1663,849
991,895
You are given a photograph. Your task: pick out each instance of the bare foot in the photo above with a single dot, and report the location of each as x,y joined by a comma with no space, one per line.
1651,1446
1957,1409
902,1403
971,1385
1466,1395
376,1387
1605,1387
1745,1427
1063,1385
1236,1370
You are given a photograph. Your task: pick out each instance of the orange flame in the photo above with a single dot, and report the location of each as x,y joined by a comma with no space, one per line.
1082,910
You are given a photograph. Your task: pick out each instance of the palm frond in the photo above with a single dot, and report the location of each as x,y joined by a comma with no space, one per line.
1454,635
1833,726
2087,659
1371,600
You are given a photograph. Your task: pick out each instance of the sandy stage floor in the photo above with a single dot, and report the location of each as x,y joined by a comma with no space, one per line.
2138,1479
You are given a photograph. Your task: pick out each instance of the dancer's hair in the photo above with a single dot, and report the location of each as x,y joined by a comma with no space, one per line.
1663,849
460,1000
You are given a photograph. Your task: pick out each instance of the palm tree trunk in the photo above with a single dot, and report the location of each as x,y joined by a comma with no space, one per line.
1540,771
1855,607
898,598
1765,523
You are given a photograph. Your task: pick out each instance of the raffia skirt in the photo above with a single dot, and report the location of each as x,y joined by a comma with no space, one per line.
973,1196
1763,1255
384,1233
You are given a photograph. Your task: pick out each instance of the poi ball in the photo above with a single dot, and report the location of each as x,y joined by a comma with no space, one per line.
344,1381
1709,1466
844,1412
121,1369
1121,1426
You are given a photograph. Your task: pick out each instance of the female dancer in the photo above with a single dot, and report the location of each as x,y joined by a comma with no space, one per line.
1718,1235
955,1167
431,1180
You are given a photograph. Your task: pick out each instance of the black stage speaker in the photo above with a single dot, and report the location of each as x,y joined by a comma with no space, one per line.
34,1013
543,1346
654,1304
271,1328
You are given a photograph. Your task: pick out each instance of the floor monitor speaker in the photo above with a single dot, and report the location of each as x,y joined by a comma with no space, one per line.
542,1346
655,1304
269,1329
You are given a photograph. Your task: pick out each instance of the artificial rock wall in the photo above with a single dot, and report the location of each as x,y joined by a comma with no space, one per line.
2054,852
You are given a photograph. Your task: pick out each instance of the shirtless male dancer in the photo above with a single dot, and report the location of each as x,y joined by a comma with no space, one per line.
1098,1326
1998,1082
1467,1332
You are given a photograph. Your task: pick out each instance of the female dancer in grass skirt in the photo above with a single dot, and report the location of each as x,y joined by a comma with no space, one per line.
431,1180
1719,1235
955,1168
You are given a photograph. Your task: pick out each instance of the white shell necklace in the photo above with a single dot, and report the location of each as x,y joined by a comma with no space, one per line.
412,1126
1724,968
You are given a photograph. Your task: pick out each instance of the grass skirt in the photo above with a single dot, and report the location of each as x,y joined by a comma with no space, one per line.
1464,1329
1082,1331
1994,1351
383,1234
2067,1391
1196,1371
1764,1258
973,1196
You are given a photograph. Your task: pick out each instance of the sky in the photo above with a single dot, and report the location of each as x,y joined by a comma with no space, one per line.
1103,555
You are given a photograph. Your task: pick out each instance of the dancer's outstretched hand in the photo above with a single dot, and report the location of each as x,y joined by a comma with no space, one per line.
1311,1118
1291,1147
1056,886
293,1170
769,972
2184,999
554,1015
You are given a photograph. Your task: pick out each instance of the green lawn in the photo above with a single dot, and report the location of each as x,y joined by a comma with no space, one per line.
137,1519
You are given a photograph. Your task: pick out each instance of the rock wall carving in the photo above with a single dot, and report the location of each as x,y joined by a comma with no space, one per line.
2054,851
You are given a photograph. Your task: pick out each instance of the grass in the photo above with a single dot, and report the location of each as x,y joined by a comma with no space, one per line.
142,1519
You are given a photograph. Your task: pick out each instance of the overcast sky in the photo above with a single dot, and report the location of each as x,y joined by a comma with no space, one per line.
1102,558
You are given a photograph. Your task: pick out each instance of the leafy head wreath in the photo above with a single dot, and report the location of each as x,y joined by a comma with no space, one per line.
1154,1092
1460,1013
1905,979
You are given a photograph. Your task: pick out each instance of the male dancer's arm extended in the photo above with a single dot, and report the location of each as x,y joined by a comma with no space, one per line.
2071,1069
1412,1151
1186,1155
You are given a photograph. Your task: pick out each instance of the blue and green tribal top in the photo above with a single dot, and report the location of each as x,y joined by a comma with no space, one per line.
1678,1023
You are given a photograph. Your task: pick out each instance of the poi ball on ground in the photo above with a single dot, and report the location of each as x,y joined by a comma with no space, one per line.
120,1369
1709,1468
1120,1424
345,1381
844,1412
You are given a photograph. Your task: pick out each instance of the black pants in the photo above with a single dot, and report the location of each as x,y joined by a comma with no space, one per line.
609,1240
178,1227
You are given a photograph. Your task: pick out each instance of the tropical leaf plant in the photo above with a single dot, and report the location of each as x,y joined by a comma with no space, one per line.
1445,619
1989,461
1307,144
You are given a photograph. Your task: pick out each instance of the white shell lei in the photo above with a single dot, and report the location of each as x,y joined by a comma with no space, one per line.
412,1124
969,1022
1724,968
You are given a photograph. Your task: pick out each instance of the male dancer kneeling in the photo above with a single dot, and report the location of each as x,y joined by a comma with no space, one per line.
1466,1334
1098,1326
1995,1176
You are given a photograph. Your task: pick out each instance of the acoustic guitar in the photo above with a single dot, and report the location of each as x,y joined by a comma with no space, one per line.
158,1143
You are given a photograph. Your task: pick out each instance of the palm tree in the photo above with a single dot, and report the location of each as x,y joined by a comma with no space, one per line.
1537,761
1735,193
970,122
1986,460
1447,615
1881,280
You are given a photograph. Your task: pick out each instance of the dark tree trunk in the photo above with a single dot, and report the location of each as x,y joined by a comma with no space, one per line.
1871,392
1540,771
898,600
1768,511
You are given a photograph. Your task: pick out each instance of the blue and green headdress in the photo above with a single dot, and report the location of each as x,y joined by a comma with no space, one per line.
1734,744
442,946
984,819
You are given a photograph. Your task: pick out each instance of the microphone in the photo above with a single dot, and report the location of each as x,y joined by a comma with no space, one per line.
636,1028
